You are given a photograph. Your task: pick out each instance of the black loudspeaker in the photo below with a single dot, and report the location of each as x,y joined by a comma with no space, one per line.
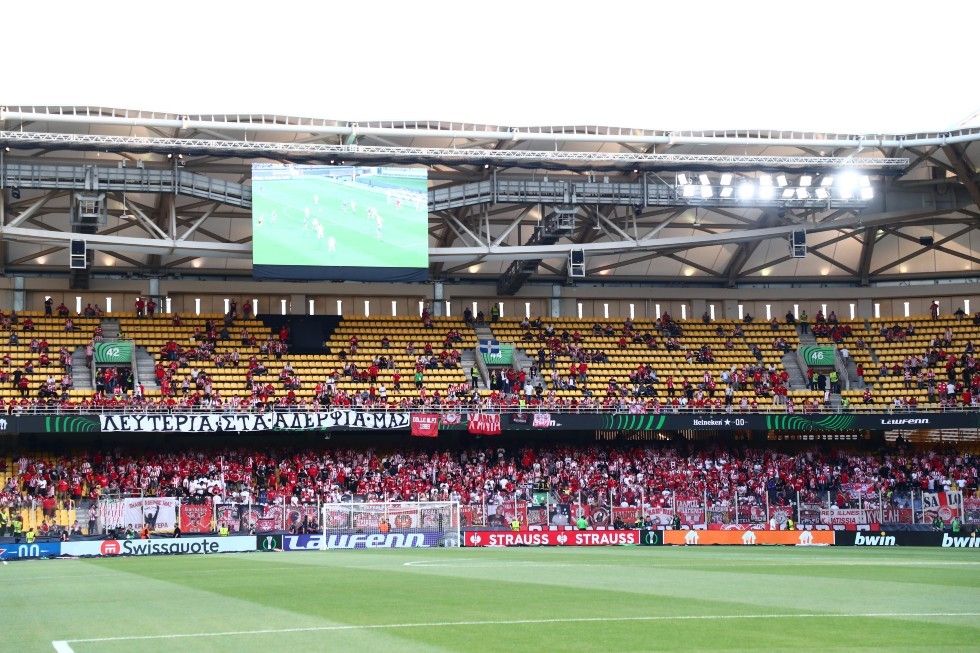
576,263
926,241
797,241
79,258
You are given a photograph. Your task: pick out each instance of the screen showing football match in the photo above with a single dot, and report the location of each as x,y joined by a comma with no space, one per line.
339,223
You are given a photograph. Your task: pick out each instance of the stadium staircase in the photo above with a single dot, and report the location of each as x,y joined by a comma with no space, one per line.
806,338
144,371
791,363
520,360
468,360
81,373
483,331
110,328
852,375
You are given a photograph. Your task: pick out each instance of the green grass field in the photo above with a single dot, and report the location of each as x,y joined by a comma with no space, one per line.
609,599
320,221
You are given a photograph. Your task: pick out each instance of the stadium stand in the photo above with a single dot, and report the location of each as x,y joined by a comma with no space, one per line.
47,488
237,361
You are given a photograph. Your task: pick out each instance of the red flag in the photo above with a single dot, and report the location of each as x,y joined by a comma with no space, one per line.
196,517
425,425
484,423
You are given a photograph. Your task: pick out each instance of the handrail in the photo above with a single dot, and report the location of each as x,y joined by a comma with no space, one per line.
502,410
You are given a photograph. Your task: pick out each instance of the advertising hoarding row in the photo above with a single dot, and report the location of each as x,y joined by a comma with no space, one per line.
485,538
431,425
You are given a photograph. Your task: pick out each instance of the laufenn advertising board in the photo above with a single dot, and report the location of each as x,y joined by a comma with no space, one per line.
363,541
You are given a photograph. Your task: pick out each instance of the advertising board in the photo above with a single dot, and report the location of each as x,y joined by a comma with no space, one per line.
367,541
551,538
749,538
937,539
11,551
188,545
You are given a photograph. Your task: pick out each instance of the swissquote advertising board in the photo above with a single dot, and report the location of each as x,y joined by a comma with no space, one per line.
175,546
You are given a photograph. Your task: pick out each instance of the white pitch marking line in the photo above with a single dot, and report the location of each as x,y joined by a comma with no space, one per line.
61,646
514,622
424,564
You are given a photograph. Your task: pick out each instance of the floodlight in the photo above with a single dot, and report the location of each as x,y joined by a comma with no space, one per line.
682,180
805,181
765,180
781,181
727,191
867,193
822,193
766,192
704,179
787,193
726,179
846,184
689,190
706,192
802,193
827,181
746,191
864,181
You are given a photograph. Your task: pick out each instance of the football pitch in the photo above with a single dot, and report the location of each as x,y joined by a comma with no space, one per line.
603,599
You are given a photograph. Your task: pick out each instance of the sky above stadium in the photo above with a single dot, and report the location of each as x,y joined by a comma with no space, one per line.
831,66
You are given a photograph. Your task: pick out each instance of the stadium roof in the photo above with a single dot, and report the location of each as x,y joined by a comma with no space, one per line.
373,97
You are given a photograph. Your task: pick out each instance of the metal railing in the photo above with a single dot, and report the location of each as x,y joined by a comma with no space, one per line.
461,409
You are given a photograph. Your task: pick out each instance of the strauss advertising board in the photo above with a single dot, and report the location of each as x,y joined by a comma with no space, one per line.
552,538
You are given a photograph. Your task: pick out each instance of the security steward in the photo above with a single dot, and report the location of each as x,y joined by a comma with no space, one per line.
223,531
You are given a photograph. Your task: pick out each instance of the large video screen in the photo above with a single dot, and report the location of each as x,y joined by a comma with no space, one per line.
339,223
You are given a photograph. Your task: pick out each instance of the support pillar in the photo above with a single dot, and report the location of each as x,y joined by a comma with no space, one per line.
865,309
698,306
729,310
154,290
20,296
555,300
438,297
